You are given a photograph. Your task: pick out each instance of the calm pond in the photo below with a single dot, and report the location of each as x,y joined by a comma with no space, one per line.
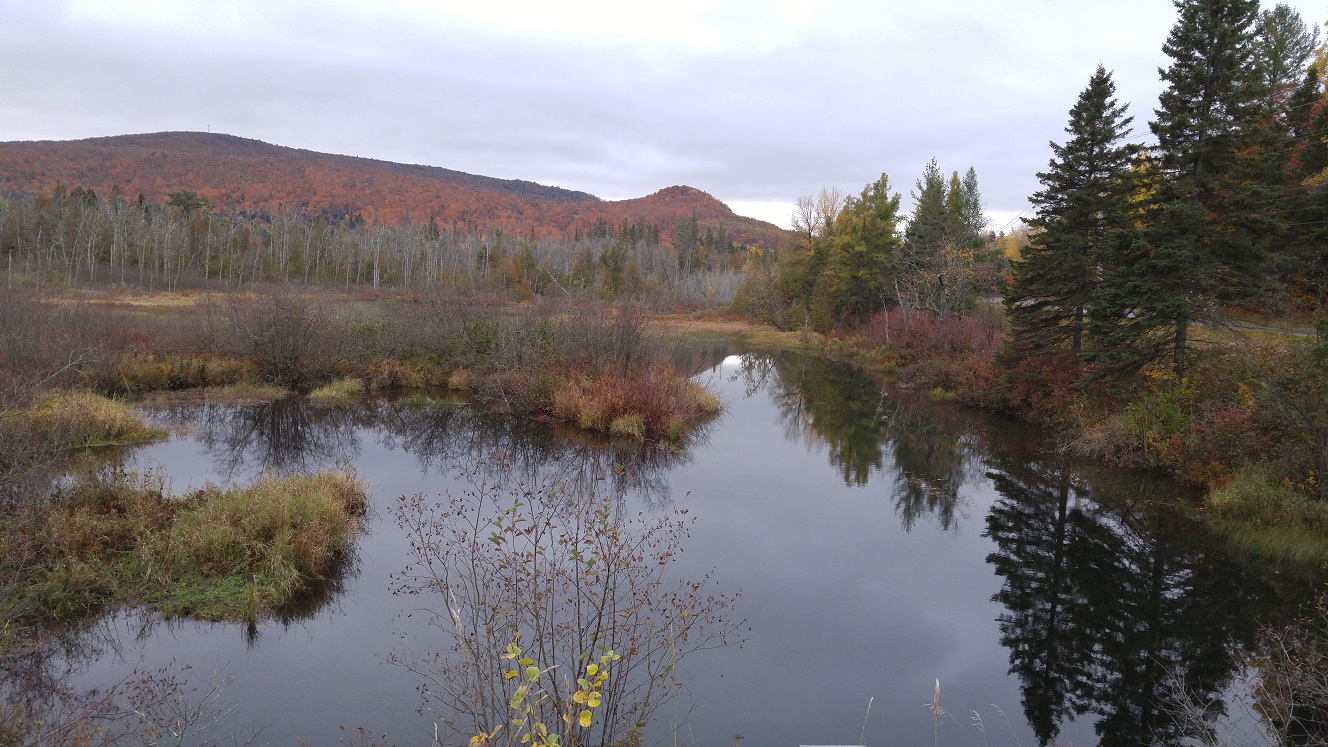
880,543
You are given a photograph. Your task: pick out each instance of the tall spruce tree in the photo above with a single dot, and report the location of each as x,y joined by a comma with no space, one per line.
935,267
1283,48
1197,245
1082,206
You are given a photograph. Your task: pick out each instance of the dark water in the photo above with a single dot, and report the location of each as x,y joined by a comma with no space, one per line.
880,544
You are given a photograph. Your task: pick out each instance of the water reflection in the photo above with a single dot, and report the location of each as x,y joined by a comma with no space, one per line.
284,437
1112,602
1115,608
822,403
441,435
291,436
1094,598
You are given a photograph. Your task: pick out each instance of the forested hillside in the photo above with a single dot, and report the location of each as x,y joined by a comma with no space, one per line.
254,179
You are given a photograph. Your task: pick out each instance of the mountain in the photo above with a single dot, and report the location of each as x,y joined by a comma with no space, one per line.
250,177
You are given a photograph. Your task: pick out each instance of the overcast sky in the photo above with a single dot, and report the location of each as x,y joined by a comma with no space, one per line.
754,102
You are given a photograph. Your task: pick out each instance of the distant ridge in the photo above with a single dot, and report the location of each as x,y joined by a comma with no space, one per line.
251,177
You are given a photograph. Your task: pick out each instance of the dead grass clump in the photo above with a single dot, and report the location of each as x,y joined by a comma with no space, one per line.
79,419
340,392
704,401
395,376
459,381
936,373
628,426
217,553
283,532
149,373
584,402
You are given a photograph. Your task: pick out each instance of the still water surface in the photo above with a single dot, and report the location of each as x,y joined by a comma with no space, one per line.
879,544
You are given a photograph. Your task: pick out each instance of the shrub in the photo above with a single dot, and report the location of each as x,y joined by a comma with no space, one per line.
288,332
921,336
1219,438
1039,387
935,373
570,575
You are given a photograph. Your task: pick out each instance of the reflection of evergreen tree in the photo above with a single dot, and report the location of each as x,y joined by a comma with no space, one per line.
820,401
1047,552
1109,605
844,408
931,463
1173,607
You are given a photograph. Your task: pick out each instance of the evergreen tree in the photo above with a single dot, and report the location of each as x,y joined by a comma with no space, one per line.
863,251
1283,48
1303,259
935,268
1083,204
1197,244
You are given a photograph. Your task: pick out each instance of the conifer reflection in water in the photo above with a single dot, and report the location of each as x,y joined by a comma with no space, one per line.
824,404
1111,598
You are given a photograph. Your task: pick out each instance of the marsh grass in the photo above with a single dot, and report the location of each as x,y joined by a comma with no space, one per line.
628,426
227,554
152,373
343,391
396,375
235,394
1269,519
460,380
78,419
277,535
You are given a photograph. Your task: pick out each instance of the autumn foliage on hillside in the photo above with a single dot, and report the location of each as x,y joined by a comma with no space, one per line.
252,178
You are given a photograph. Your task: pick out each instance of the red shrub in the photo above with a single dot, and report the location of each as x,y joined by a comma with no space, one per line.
1040,387
1220,438
921,336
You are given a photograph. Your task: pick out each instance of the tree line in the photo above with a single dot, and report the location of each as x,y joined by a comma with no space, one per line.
859,254
73,236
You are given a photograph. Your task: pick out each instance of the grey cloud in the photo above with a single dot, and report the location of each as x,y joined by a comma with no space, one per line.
970,84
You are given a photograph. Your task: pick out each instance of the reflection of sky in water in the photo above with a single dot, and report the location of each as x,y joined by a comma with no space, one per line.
855,528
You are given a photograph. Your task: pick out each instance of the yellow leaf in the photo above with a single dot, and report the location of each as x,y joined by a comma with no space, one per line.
509,674
579,696
591,669
592,700
585,719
